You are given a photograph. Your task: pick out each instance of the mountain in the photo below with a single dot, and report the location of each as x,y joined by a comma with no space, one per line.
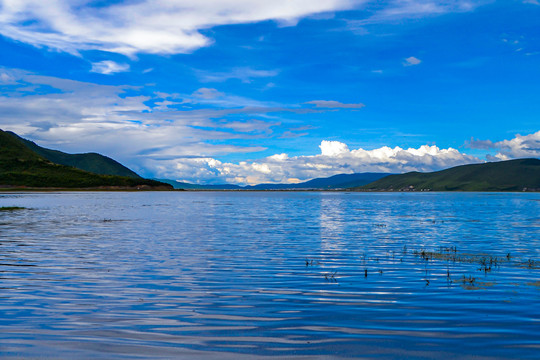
21,166
511,175
341,181
91,162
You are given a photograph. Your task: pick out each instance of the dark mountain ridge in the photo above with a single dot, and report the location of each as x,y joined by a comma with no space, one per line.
20,166
510,175
91,162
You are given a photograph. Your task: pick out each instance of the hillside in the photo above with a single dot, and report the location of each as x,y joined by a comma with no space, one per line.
91,162
511,175
20,166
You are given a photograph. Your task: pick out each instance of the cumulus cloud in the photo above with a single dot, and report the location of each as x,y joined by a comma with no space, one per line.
335,158
333,148
331,104
411,61
108,67
518,147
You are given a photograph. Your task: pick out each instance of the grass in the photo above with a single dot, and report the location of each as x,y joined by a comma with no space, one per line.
11,208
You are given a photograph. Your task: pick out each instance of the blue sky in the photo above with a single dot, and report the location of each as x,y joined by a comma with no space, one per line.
274,91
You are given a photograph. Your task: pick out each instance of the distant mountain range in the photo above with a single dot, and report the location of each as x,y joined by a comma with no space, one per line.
511,175
336,182
25,164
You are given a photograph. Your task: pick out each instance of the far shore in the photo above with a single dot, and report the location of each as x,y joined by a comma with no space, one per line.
146,188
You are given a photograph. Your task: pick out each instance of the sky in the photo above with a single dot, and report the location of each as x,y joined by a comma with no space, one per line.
281,91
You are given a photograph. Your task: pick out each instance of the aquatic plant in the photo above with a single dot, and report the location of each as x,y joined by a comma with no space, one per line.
11,208
331,276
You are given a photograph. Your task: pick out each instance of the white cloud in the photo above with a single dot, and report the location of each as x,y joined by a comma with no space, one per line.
244,74
518,147
80,117
411,61
144,26
7,79
333,148
108,67
216,98
397,10
174,26
331,104
249,126
207,93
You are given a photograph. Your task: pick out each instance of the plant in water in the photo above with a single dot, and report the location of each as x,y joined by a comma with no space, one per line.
11,208
331,276
468,280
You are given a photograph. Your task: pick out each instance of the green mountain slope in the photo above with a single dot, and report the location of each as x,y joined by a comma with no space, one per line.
20,166
511,175
91,162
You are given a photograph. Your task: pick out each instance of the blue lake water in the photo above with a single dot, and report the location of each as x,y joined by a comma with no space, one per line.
217,275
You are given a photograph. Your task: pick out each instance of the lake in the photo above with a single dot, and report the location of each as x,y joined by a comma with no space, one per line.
242,275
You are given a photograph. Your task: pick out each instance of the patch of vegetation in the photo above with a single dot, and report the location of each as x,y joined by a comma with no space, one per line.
445,263
11,208
511,175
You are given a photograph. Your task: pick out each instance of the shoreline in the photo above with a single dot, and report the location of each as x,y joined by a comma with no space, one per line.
159,189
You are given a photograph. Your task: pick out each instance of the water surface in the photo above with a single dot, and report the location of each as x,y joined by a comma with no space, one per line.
310,275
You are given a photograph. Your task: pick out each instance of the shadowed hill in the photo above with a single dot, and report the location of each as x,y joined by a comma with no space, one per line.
91,162
20,166
511,175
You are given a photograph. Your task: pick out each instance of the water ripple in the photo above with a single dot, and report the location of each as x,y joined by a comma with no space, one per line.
222,275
